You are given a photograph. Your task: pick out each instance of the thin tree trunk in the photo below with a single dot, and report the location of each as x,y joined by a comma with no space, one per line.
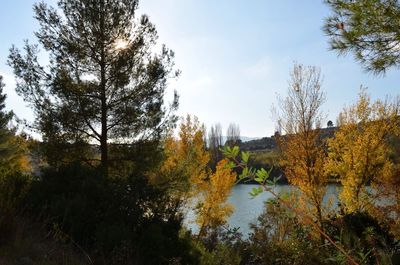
319,213
104,132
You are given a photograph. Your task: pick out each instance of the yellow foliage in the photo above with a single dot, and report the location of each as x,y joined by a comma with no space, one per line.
303,154
22,159
185,172
14,182
16,158
186,159
359,152
302,160
213,209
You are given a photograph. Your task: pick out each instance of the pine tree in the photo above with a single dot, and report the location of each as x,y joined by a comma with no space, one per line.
8,150
103,82
368,29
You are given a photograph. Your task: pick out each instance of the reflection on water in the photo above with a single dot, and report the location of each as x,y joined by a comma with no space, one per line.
247,210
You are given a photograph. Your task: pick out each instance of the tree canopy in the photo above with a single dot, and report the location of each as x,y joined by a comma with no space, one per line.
12,147
369,29
6,150
359,154
302,150
103,82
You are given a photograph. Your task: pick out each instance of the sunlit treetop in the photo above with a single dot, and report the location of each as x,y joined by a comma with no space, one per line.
122,101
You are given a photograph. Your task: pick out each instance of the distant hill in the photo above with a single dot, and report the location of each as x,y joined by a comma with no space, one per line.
269,143
242,138
265,143
263,153
246,138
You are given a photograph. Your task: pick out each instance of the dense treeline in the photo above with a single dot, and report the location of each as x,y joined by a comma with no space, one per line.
65,201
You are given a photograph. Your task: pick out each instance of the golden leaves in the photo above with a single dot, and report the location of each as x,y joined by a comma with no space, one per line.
302,160
359,152
185,170
214,209
186,159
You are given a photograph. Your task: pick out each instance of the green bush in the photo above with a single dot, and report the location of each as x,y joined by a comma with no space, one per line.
117,219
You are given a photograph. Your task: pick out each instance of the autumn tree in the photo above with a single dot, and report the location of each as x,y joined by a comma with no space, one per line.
359,153
303,156
103,82
213,208
185,170
186,159
368,29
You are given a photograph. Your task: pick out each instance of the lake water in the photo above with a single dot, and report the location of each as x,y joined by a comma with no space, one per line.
247,209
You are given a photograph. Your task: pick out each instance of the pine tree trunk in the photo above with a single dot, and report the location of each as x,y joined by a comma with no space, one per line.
104,132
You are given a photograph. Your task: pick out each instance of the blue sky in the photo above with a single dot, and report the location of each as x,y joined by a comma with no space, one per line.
235,57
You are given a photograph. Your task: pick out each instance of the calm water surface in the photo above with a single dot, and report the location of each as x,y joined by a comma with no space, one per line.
247,210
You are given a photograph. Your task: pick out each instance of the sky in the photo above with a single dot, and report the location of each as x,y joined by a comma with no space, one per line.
235,57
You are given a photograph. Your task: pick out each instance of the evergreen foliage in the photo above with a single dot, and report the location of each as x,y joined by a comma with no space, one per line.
103,82
120,221
9,149
369,29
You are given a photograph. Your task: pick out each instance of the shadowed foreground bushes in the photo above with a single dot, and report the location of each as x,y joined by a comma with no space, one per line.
72,215
116,221
278,237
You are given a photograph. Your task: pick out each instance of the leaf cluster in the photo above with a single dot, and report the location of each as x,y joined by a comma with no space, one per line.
369,29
